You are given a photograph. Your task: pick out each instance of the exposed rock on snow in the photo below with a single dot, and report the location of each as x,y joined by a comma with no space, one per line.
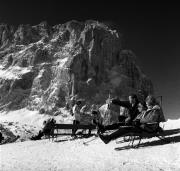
15,132
42,65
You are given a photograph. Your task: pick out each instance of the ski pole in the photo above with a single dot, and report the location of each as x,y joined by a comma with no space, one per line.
86,142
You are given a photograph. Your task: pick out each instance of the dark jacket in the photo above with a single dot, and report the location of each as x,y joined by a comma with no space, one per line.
48,126
133,110
1,137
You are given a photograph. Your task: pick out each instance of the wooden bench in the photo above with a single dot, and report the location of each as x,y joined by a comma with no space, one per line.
55,130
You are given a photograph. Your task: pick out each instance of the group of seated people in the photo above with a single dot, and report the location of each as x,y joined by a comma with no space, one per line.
141,114
79,110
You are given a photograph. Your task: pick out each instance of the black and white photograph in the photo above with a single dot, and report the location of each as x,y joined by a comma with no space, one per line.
89,86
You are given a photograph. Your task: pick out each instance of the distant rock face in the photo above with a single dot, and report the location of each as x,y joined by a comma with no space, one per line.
41,66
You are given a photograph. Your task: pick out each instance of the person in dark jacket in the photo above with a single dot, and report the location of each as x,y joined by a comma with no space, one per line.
152,114
1,137
46,131
131,105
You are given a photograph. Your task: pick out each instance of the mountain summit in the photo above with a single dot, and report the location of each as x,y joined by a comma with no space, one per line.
42,66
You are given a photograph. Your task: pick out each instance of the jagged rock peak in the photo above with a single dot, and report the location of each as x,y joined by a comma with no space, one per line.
41,66
24,34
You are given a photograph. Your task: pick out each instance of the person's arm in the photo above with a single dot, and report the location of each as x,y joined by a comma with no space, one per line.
153,116
82,110
139,116
75,109
121,103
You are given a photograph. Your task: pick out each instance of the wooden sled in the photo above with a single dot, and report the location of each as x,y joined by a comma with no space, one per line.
138,136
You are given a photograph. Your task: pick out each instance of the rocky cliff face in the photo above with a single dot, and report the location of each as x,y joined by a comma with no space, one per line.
41,66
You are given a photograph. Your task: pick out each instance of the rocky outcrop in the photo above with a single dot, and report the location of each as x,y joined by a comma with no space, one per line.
41,66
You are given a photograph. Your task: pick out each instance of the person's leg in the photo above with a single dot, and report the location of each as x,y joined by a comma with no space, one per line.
120,132
89,133
149,128
114,126
38,136
101,128
41,133
73,130
121,118
75,122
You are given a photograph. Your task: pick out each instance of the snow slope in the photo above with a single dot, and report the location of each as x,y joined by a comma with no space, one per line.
24,116
64,154
74,155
